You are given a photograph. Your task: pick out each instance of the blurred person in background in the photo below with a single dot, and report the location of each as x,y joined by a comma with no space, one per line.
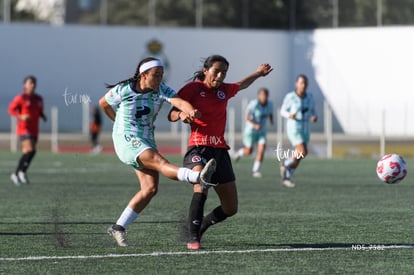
27,107
298,108
95,129
258,111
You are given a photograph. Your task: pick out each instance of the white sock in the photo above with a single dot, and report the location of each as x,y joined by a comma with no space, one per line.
240,153
188,175
127,217
256,166
288,162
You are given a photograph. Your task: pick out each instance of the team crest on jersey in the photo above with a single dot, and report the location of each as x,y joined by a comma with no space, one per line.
221,94
203,94
196,159
135,142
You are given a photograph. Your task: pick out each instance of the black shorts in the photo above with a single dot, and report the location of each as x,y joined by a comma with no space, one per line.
28,136
199,155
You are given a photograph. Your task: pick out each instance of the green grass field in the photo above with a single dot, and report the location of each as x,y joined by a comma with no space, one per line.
72,200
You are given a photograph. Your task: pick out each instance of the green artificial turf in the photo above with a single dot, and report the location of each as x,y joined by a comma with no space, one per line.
73,198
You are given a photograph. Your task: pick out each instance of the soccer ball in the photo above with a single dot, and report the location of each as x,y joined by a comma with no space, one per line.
391,168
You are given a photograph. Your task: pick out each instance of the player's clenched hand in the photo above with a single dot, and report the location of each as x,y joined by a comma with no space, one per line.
186,118
195,114
292,116
24,117
264,69
314,118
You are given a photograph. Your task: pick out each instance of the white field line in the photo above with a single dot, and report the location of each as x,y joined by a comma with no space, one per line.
178,253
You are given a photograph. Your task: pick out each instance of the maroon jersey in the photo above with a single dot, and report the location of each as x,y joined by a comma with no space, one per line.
212,103
31,105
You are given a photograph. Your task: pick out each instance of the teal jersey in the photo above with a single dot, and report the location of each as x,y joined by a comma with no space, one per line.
304,108
259,114
135,111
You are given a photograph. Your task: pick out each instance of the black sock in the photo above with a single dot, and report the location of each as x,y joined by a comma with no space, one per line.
24,161
28,160
118,227
195,215
216,216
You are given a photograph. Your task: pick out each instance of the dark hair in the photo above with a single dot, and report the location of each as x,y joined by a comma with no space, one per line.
208,63
265,90
32,78
305,79
136,75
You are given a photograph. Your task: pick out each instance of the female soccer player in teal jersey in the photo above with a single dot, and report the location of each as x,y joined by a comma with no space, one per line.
137,101
258,111
210,94
298,108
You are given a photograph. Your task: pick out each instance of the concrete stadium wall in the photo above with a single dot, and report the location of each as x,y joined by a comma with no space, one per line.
365,72
360,72
80,59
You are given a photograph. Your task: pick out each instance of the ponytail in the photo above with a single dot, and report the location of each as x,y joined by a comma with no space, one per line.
136,77
199,75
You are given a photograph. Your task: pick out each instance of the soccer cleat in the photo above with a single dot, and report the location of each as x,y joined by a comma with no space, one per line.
96,150
288,183
207,173
194,245
23,177
257,175
118,235
15,179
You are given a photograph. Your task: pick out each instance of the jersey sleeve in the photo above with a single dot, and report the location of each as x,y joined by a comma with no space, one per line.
187,91
114,96
166,92
232,89
250,108
285,109
14,106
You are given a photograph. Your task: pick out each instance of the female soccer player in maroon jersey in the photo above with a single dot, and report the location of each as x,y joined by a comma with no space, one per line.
27,108
209,94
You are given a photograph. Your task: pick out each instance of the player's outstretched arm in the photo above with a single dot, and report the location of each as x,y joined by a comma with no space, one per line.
183,110
314,115
107,109
262,70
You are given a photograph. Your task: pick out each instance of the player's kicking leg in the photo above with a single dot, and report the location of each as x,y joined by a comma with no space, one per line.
247,150
288,166
261,148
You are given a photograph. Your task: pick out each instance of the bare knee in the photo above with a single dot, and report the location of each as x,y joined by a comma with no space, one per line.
305,152
301,151
248,151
